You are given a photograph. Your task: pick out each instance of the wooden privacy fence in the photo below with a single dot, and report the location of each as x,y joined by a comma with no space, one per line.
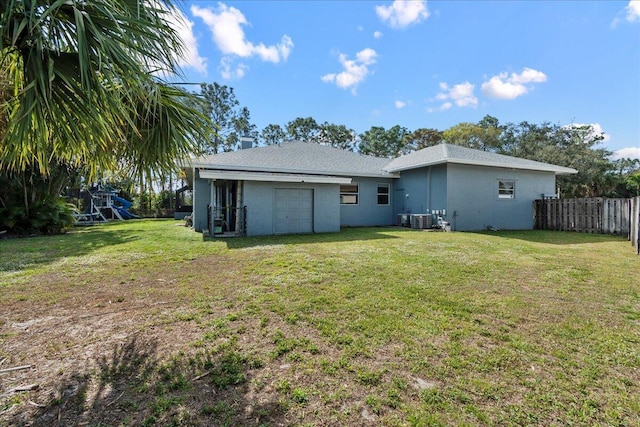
593,215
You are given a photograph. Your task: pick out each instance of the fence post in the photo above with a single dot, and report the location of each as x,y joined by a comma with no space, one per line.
636,223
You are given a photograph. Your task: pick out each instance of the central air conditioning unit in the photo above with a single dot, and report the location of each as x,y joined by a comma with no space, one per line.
421,221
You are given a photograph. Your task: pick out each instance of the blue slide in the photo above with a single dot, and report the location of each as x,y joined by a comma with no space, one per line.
122,210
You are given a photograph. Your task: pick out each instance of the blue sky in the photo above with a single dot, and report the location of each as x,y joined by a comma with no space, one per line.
420,64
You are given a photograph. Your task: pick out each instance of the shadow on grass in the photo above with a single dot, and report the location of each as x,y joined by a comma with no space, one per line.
553,237
23,253
135,385
349,234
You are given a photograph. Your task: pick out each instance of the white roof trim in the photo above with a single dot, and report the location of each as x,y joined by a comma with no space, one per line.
239,167
418,165
272,177
558,170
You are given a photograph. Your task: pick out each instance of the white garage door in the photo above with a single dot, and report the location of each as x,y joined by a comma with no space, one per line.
293,210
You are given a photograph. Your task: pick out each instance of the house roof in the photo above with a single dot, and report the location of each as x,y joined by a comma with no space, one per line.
297,158
304,158
447,153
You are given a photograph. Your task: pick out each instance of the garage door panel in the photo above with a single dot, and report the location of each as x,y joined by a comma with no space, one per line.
293,210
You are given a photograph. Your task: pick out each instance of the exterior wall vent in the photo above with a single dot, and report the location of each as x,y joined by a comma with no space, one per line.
246,142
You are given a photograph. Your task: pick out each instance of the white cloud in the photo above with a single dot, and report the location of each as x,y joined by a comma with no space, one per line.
633,11
505,86
627,153
367,56
377,35
275,53
402,13
460,95
354,70
229,70
226,26
529,75
189,57
400,104
631,14
497,87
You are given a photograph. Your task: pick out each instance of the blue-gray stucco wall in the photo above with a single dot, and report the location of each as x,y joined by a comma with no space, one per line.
469,194
473,202
328,214
201,199
368,212
259,199
421,190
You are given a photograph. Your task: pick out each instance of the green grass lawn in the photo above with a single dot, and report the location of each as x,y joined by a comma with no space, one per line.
369,326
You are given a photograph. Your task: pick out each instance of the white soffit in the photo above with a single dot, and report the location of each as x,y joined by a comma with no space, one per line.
272,177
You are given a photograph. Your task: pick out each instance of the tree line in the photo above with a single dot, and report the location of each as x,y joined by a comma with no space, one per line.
575,146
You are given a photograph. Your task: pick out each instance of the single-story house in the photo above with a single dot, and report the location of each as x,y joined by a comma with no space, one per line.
301,187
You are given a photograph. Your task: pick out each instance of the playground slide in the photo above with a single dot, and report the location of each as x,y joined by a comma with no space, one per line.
125,214
122,210
124,202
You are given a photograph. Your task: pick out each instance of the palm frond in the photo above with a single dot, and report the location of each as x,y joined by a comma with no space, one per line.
82,90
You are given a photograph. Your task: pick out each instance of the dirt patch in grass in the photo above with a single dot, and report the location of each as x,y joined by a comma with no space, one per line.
159,350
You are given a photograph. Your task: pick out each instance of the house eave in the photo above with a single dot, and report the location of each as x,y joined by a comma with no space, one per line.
271,177
416,166
244,168
558,170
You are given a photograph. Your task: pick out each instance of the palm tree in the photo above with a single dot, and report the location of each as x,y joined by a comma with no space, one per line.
633,182
84,86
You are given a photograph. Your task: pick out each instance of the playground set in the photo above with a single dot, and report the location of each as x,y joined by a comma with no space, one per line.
102,204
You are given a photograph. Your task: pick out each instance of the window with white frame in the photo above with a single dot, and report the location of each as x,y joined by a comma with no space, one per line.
349,194
383,194
506,189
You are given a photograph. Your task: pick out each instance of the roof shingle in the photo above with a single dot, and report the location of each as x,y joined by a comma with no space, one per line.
447,153
298,157
310,158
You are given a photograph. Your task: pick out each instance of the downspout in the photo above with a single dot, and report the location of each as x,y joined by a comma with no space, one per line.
429,189
193,196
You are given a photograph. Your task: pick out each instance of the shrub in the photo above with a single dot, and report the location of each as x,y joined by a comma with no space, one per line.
48,216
